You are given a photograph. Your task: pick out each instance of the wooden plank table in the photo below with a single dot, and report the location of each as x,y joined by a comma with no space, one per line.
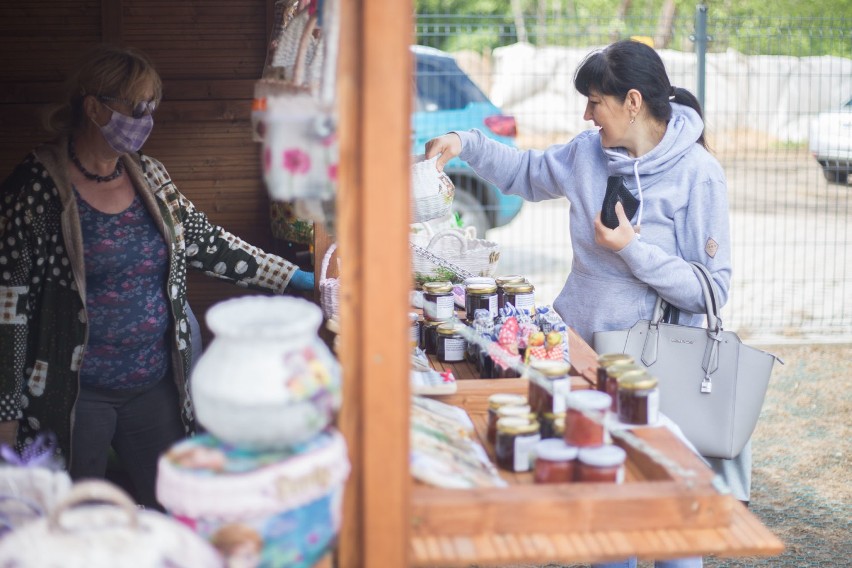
528,523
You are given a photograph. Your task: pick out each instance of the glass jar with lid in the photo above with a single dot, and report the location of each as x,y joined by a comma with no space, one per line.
429,336
608,360
480,297
638,399
451,345
547,392
604,464
552,425
584,418
519,294
502,281
516,438
554,461
438,303
414,329
614,374
495,402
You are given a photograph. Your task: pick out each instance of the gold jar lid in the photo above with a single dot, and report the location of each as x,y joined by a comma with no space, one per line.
510,279
481,289
551,417
517,425
609,359
638,381
437,287
430,323
517,288
522,411
449,328
619,369
551,369
499,399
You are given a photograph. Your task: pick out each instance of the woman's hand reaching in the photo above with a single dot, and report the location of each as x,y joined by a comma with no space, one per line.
618,238
448,146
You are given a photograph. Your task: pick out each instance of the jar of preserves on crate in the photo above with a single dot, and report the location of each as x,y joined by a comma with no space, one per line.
608,360
497,401
604,464
502,281
516,438
547,391
451,344
554,461
414,329
613,374
584,418
519,294
429,336
638,399
438,303
480,297
552,425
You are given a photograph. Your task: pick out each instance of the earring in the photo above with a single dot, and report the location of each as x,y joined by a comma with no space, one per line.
632,119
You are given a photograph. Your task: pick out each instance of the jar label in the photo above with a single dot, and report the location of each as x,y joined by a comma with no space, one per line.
454,349
414,334
492,305
525,302
653,406
441,309
523,450
561,388
619,475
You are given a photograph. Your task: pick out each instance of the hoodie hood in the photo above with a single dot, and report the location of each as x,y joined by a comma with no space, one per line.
682,133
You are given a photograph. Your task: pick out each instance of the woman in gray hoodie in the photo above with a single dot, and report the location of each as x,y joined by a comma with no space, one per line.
649,150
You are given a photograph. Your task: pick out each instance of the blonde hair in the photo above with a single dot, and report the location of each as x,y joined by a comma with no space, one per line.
106,70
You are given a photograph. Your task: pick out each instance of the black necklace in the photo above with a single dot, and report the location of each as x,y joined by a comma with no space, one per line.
119,166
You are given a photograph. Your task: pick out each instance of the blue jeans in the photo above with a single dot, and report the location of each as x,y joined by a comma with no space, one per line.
693,562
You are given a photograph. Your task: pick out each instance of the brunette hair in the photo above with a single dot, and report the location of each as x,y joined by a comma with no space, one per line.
105,70
629,64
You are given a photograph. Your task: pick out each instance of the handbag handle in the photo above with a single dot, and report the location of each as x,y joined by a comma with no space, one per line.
711,296
326,259
455,233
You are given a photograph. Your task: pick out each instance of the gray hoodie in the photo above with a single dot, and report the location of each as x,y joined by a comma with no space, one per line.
683,215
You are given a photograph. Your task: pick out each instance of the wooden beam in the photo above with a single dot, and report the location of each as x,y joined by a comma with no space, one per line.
373,229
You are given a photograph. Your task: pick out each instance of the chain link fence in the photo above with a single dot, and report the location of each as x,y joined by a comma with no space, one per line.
763,82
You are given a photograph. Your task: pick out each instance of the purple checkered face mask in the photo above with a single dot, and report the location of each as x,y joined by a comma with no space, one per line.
127,134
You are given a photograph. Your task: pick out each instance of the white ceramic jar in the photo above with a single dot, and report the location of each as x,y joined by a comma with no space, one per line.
266,381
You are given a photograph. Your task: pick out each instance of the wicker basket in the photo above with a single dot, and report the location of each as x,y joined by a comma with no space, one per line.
432,191
329,288
478,257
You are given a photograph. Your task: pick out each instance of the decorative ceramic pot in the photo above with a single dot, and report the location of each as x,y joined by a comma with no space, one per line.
275,508
266,381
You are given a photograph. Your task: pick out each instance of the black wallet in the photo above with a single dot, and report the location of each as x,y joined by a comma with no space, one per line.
615,192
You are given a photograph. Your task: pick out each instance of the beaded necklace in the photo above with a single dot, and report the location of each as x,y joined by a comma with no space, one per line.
119,166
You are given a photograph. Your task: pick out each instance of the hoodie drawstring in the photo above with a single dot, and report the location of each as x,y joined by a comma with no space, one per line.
641,201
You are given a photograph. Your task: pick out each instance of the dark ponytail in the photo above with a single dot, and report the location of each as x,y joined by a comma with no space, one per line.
629,64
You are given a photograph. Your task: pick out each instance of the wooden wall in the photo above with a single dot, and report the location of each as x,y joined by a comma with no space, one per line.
209,53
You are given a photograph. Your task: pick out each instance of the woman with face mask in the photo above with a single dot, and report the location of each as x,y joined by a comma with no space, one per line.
95,242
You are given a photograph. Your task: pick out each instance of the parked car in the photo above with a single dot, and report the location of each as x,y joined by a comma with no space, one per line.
447,99
830,141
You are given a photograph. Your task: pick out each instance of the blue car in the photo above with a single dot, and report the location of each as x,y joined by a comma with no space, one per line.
447,99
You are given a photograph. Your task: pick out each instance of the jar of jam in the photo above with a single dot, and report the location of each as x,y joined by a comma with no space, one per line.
600,465
547,392
519,294
554,461
552,425
480,297
516,438
495,402
429,336
638,399
438,304
584,418
414,329
608,360
451,345
613,374
502,281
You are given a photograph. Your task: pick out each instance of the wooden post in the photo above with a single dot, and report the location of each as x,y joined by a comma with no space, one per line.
373,223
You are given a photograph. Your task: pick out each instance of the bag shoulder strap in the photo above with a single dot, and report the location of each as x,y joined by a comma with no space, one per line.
711,296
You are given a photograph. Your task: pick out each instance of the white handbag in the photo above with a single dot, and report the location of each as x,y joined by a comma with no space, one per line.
712,385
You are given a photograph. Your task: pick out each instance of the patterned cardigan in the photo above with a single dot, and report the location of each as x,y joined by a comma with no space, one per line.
43,320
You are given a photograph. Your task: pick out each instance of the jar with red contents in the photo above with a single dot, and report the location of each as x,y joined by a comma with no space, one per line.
613,374
638,399
554,461
608,360
547,391
497,401
604,464
584,418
